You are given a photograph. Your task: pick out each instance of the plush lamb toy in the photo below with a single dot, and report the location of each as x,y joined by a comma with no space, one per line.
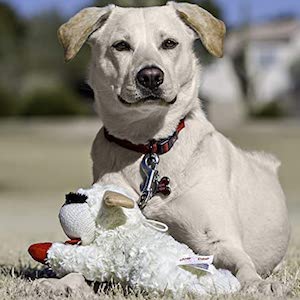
118,243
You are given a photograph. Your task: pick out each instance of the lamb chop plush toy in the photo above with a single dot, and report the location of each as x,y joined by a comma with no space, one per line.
118,243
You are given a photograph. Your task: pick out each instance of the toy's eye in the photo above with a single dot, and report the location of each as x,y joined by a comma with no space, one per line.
72,198
121,46
169,44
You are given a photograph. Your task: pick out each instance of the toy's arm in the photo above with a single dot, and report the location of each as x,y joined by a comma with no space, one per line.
91,261
39,251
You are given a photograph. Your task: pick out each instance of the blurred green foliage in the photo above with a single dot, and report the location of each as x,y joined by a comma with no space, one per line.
33,78
270,110
53,102
8,106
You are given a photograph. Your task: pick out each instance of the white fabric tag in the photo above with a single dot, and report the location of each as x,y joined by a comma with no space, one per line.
203,263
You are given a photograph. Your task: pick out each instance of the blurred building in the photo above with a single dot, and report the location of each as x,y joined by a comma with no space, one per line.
256,69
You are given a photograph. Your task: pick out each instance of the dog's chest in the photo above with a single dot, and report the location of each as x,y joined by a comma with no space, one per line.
171,165
113,164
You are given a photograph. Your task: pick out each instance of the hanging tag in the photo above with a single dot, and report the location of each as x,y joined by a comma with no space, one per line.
203,263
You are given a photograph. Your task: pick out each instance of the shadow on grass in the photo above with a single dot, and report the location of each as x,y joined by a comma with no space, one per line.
32,273
26,272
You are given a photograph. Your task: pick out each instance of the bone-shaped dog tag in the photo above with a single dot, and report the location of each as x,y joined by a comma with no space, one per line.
152,184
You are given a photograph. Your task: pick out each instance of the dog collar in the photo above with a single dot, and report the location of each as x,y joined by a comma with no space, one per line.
154,146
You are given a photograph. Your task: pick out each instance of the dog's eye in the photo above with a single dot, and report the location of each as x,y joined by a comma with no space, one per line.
121,46
169,44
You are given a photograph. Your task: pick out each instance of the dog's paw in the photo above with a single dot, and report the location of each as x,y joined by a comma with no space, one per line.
266,287
71,283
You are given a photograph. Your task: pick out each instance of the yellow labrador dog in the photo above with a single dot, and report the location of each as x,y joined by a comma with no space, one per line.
145,75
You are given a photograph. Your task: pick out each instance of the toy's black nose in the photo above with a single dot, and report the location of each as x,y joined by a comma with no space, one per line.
150,77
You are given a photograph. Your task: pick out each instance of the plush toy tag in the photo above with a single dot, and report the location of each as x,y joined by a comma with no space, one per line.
203,263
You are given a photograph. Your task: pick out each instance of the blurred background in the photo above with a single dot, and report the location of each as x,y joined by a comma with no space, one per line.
47,122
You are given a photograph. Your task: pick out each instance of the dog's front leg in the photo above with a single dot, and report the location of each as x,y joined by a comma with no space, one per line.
234,258
228,255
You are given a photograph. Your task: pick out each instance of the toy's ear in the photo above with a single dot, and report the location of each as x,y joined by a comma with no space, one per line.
77,30
113,199
112,214
209,29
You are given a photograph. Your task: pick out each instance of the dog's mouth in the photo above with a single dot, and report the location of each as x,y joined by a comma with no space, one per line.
149,100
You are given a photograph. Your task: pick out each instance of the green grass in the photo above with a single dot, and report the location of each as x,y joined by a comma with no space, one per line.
42,160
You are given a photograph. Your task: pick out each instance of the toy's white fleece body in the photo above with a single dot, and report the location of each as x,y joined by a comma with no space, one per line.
129,251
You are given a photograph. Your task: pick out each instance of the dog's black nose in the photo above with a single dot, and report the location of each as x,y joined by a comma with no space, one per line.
150,77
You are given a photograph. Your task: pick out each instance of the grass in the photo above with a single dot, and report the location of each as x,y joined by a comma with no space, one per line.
42,160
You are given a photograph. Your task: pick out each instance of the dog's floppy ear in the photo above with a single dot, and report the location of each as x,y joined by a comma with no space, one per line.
210,30
77,30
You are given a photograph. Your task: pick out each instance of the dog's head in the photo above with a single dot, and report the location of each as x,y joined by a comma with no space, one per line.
142,58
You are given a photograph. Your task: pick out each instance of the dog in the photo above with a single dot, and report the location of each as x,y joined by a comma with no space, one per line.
145,77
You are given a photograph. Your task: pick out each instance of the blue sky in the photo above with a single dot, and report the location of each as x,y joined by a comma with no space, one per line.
234,10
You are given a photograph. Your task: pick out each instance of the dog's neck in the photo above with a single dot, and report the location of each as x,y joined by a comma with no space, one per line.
139,127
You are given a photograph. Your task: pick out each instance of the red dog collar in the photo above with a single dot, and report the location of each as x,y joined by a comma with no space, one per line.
159,147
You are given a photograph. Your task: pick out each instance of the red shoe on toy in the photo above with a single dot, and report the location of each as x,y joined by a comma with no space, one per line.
39,251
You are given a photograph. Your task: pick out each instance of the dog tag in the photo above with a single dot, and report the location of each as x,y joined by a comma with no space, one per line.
152,183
